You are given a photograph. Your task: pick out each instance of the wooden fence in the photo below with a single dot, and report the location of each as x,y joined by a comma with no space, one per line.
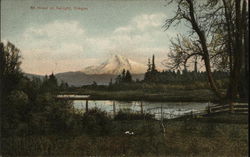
235,108
160,112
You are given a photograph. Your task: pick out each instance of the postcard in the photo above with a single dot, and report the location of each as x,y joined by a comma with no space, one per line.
124,77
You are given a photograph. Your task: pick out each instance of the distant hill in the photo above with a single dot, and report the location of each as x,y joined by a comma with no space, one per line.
33,75
101,74
79,78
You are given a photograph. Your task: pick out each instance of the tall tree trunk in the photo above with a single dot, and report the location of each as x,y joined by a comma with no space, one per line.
2,66
244,85
246,55
203,42
233,91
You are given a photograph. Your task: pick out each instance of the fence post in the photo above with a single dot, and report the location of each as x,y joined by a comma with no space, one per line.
114,108
141,108
161,113
231,107
162,124
208,107
87,106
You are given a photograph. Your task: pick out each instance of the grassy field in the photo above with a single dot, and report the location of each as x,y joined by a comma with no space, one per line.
172,95
220,135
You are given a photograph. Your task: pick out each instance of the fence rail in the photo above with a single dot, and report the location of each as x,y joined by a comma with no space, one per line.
235,108
165,112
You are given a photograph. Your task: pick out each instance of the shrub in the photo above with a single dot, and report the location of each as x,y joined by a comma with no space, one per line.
96,122
125,115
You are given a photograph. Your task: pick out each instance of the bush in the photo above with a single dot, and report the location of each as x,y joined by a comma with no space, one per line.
18,98
96,122
14,114
125,115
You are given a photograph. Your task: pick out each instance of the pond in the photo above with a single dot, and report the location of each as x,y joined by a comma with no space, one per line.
168,109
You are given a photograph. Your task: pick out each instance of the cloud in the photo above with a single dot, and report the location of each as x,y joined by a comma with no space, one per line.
55,36
141,37
44,45
149,20
142,31
142,23
56,29
68,46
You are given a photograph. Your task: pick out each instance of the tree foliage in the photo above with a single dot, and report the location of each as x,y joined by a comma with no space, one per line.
28,106
217,37
10,72
151,74
124,77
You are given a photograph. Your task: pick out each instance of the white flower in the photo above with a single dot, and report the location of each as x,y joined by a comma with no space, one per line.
129,133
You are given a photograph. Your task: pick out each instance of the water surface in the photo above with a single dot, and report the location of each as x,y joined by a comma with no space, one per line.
169,109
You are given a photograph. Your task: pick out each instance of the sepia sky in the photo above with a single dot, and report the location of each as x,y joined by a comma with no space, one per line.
68,35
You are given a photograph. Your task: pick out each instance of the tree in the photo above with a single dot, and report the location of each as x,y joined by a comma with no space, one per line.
128,77
13,100
111,82
153,63
118,79
29,106
50,83
152,74
10,72
149,66
64,85
237,37
123,75
208,20
186,11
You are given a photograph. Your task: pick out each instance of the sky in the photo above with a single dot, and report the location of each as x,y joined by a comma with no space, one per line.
69,35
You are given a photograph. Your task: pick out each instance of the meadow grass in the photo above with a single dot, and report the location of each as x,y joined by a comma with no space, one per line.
172,95
220,135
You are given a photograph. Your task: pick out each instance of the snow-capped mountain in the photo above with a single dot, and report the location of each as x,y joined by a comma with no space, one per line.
115,65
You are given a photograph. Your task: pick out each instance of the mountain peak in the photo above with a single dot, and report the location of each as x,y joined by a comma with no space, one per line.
115,65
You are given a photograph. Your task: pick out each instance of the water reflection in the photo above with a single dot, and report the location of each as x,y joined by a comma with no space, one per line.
169,109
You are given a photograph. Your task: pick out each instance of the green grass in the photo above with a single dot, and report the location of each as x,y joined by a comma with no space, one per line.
193,92
196,95
219,135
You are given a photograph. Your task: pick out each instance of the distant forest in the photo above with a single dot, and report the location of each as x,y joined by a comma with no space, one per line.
178,77
185,76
